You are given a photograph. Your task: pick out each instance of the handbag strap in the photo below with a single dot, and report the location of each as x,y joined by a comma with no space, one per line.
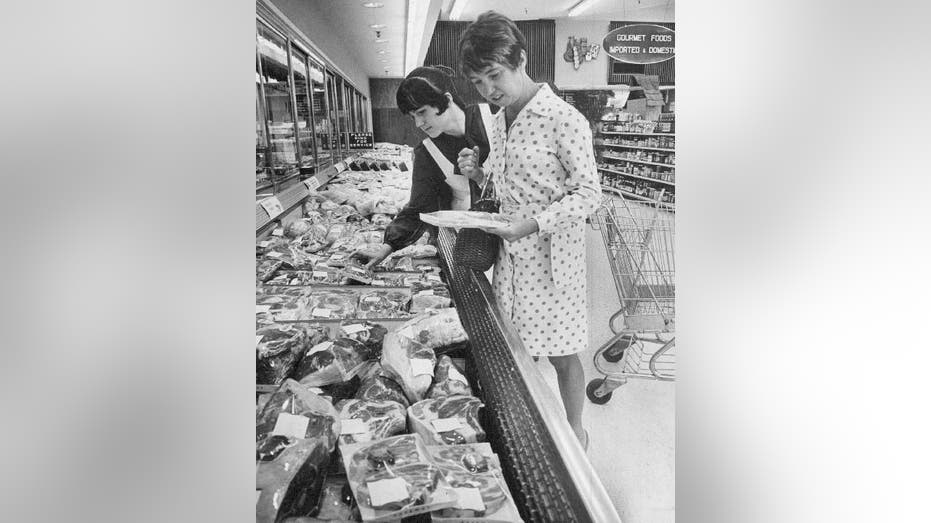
441,161
488,122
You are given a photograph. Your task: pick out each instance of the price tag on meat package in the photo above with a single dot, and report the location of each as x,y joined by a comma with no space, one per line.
446,424
353,426
319,347
386,491
321,313
353,328
272,206
420,367
291,425
470,498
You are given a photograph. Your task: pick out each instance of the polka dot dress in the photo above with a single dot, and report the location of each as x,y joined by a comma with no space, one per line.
544,169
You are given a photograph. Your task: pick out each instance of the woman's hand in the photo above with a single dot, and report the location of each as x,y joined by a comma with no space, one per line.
372,257
468,165
514,230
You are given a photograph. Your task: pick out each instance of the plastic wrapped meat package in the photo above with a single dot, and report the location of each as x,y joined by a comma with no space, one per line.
363,420
409,363
435,328
331,362
449,420
266,269
295,436
383,304
474,473
332,303
292,278
416,251
279,350
377,385
333,503
426,299
372,335
393,478
448,380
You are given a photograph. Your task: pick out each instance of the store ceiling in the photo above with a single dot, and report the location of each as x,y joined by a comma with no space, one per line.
387,58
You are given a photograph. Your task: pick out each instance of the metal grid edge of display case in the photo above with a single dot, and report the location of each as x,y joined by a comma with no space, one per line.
532,464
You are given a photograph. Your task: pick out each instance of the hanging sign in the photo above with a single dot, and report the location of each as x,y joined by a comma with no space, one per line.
640,44
361,141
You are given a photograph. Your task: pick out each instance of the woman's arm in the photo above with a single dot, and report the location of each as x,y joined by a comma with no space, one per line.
407,228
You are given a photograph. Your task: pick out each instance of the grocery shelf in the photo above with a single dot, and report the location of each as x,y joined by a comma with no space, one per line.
637,134
605,188
672,165
640,147
647,178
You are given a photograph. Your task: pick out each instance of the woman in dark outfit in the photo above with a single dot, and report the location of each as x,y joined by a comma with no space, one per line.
428,96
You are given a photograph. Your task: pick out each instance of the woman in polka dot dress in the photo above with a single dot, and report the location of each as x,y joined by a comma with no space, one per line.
543,167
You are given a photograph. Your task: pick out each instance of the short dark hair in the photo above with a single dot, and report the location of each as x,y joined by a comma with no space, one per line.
427,86
491,39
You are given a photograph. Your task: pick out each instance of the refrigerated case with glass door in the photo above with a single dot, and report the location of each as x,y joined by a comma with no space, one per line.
281,155
322,125
302,97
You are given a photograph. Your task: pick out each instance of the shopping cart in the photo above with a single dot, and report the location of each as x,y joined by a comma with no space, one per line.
639,237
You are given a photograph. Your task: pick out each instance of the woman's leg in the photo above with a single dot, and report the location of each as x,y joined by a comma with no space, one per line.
571,379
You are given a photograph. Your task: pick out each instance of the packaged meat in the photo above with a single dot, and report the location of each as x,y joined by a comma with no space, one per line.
266,269
381,220
372,335
449,420
291,483
363,420
425,300
333,505
405,263
408,362
331,362
435,329
277,352
474,472
416,251
448,380
378,386
332,303
292,278
393,478
383,304
278,425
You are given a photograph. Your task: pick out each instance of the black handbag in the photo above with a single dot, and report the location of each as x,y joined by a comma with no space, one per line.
475,248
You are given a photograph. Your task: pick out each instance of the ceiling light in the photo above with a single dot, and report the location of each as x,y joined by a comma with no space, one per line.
579,7
382,51
378,26
384,61
373,4
458,8
381,41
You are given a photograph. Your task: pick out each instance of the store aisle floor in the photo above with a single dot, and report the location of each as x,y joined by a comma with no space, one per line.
633,435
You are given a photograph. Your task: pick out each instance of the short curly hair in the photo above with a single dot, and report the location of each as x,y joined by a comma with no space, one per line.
491,39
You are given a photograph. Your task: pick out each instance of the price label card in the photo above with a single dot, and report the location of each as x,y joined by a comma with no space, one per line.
272,206
353,426
386,491
378,283
470,498
274,254
259,309
312,183
319,347
446,424
428,292
291,425
354,328
421,367
320,274
278,232
340,167
321,312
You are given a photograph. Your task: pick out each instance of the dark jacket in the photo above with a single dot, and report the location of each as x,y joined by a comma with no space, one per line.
429,190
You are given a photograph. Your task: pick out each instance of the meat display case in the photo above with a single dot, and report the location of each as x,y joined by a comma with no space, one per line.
545,467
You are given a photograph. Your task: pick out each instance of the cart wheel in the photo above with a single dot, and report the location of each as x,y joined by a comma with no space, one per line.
591,392
615,352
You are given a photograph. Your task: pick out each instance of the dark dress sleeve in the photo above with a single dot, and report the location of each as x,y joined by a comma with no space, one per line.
429,193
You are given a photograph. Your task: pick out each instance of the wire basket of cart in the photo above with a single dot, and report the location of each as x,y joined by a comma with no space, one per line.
639,238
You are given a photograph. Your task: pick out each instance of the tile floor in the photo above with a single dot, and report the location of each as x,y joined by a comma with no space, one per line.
633,435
